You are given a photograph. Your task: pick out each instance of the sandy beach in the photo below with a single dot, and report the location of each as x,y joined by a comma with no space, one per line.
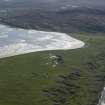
15,41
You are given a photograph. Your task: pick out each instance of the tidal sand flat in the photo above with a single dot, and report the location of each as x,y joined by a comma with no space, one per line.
15,41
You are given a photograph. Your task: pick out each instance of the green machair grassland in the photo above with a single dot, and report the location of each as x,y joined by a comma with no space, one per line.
31,79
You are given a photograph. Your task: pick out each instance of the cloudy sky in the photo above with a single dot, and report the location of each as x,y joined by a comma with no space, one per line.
53,3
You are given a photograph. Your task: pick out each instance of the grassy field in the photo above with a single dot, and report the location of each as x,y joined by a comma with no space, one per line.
31,79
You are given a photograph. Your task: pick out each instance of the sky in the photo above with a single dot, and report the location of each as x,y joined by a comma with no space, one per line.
55,3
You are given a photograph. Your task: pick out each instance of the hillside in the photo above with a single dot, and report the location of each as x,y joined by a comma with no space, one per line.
76,79
62,20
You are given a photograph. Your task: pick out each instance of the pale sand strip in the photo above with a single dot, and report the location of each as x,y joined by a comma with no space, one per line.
20,41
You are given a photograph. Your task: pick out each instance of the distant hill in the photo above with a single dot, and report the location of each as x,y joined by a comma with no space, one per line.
82,19
61,17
